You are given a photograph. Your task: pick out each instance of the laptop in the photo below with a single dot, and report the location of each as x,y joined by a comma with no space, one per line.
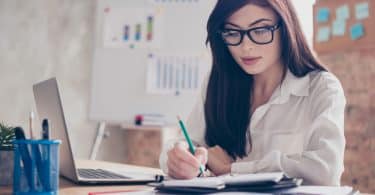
49,105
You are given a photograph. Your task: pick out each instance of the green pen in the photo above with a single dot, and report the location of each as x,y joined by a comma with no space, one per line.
191,146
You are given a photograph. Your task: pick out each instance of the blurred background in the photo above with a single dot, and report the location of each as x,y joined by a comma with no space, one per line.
106,75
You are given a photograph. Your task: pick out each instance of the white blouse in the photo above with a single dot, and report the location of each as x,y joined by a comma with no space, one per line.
299,131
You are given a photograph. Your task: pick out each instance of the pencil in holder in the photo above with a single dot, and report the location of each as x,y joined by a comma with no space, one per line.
36,167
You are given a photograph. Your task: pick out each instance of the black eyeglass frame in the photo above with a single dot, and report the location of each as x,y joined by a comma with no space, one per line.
248,31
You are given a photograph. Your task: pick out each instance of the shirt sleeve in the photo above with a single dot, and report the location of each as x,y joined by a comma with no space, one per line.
321,162
195,126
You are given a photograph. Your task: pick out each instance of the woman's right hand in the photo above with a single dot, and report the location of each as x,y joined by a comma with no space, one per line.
184,165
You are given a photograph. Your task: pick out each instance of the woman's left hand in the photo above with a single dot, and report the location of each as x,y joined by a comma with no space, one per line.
219,162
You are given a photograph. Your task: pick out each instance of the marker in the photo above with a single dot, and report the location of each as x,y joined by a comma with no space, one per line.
47,161
25,156
45,129
191,146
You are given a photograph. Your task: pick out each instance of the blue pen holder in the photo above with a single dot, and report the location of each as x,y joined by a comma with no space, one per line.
36,167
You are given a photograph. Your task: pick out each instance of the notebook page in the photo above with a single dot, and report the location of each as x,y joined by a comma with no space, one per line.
252,178
199,182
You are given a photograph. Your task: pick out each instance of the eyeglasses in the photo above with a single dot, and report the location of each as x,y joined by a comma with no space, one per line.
259,35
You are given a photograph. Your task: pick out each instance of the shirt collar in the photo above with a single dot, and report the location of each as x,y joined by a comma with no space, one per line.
298,86
291,85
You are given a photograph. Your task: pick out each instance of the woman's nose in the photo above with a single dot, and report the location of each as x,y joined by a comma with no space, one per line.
247,44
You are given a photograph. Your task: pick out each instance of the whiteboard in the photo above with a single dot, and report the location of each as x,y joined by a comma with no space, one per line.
119,72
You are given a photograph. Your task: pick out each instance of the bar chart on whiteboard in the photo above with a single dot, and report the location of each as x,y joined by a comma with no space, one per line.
133,27
175,74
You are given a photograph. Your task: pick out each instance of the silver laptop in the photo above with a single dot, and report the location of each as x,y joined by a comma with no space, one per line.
49,105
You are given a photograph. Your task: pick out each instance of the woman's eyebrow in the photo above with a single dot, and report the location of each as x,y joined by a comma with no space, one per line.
252,24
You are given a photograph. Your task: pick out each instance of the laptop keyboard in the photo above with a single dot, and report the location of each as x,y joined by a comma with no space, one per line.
99,174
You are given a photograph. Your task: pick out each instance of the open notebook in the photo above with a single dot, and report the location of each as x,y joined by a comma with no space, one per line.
244,182
321,190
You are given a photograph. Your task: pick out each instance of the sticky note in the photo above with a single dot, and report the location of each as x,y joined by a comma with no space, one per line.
322,15
343,12
323,34
356,31
338,27
361,11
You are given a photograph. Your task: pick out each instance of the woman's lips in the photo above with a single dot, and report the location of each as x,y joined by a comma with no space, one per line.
250,60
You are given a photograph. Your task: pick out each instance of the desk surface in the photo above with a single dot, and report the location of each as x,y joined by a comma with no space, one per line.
69,188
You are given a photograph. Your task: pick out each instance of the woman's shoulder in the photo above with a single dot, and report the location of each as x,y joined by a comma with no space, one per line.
323,81
325,94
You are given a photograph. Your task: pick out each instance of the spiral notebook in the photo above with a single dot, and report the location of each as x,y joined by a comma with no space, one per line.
258,182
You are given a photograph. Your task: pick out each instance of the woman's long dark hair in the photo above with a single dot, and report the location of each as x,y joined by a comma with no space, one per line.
228,100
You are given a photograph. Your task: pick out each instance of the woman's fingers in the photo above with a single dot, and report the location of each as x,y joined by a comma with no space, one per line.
181,144
202,154
181,170
172,170
183,154
182,164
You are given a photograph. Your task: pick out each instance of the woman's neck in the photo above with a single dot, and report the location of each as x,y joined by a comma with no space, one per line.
266,82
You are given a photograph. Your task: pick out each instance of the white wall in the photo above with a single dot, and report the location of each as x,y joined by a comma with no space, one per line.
51,38
44,38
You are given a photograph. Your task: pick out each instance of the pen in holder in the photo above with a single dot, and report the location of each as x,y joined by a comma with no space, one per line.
36,167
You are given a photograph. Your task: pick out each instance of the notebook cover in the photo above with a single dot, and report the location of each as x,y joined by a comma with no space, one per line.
260,187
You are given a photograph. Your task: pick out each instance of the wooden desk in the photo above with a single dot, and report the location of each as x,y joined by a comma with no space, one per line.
69,188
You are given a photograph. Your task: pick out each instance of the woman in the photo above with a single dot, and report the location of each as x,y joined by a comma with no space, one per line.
268,105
